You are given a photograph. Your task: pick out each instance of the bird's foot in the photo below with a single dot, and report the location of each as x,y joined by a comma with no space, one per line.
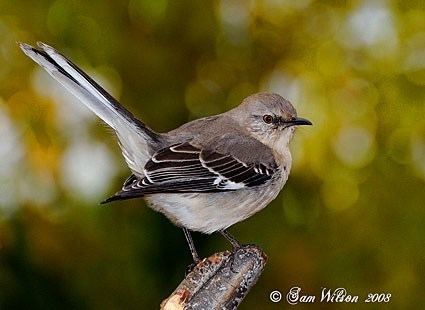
190,267
236,245
232,259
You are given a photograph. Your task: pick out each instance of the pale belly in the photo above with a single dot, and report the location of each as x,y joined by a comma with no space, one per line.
210,212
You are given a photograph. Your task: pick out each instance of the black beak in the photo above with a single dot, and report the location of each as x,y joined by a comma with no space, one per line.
297,122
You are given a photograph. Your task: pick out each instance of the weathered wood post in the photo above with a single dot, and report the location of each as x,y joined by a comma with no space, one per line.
220,281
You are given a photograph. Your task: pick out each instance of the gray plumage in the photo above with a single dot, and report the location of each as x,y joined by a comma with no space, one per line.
207,174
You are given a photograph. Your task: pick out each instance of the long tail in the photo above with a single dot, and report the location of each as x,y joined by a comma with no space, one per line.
136,139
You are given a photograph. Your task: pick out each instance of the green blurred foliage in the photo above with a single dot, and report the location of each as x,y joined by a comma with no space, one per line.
352,213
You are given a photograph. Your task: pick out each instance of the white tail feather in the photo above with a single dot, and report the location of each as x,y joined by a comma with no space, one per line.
136,140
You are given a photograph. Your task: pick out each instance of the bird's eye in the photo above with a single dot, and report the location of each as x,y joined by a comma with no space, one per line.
268,119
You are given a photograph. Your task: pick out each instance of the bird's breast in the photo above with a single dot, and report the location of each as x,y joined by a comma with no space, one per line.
210,212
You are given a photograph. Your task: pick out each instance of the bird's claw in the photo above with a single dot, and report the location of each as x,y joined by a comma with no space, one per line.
190,267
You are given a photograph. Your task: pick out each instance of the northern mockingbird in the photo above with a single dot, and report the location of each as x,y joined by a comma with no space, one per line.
207,174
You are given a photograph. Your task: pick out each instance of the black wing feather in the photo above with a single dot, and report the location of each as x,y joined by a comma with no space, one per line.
184,168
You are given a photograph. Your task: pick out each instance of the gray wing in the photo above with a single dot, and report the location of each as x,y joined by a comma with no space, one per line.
134,137
185,168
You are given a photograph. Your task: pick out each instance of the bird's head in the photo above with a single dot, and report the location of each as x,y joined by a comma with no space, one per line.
269,117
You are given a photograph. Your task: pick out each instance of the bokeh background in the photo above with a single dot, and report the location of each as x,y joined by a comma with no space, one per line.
352,214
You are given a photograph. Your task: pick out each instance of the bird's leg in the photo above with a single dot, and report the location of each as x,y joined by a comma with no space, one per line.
235,243
192,249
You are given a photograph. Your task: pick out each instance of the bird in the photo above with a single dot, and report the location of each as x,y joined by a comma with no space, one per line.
204,176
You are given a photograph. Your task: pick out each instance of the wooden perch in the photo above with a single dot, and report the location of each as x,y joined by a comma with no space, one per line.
220,281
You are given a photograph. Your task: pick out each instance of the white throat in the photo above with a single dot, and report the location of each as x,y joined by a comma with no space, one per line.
280,145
